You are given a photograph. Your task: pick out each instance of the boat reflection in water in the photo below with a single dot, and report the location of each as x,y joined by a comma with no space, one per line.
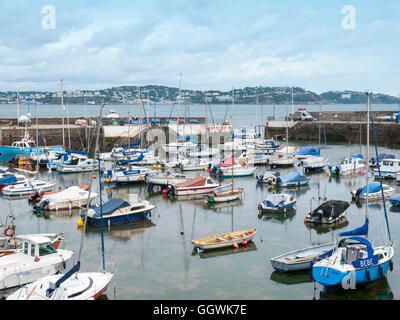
45,214
290,278
251,246
221,205
325,228
377,290
122,231
284,217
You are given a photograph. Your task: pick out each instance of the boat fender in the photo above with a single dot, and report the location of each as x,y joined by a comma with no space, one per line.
380,270
235,245
367,275
244,242
391,265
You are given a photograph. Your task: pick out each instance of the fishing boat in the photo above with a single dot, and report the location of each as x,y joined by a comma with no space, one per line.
307,152
355,260
291,180
71,198
389,169
374,162
225,193
8,178
225,240
374,191
277,203
351,165
77,165
128,174
37,258
328,212
314,163
301,259
117,210
38,195
197,185
28,187
23,147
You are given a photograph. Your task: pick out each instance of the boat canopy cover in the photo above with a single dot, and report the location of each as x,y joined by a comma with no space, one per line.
364,241
294,176
275,199
195,182
373,187
361,231
332,208
73,192
131,144
359,156
308,151
10,178
109,207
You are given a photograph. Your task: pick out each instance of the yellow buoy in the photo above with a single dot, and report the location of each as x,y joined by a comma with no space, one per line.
80,223
273,183
107,179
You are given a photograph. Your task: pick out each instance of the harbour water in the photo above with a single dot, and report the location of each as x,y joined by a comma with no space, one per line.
155,260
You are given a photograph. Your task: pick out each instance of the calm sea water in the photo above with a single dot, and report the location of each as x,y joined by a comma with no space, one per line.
155,261
244,115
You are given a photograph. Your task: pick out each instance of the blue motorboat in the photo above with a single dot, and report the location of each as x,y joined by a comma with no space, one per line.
277,203
118,210
395,201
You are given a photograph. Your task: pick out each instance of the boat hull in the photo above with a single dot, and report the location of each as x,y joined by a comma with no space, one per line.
119,219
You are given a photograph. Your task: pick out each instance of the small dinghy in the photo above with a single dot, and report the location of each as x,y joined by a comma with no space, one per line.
225,193
374,192
197,185
71,198
302,259
277,203
327,213
29,187
225,240
118,210
267,177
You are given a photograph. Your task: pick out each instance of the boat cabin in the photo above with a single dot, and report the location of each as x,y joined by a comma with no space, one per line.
37,246
394,163
24,144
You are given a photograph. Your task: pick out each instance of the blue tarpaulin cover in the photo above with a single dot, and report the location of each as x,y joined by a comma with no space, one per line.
110,206
308,151
8,179
293,177
373,187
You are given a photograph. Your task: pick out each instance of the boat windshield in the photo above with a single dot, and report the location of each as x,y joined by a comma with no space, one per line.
31,144
46,248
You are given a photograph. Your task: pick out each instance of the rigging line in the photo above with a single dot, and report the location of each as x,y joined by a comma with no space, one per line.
380,177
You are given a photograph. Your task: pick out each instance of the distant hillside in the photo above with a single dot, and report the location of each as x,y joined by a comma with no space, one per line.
169,95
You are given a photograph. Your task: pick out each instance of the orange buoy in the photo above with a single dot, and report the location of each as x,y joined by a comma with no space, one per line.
94,177
244,242
164,191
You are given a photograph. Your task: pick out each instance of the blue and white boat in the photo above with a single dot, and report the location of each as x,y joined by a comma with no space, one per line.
307,152
373,162
66,158
128,174
374,191
118,210
291,180
395,201
389,168
26,146
277,203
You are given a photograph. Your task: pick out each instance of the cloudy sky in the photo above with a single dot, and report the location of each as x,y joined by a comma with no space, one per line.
216,44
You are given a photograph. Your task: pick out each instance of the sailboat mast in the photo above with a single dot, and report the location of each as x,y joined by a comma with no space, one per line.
233,133
367,164
62,110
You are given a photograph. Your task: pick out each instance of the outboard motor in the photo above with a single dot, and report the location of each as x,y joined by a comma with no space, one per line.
170,189
358,192
260,179
41,205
